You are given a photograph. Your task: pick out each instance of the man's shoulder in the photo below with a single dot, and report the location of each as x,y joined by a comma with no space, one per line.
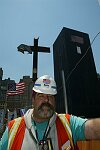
19,120
67,116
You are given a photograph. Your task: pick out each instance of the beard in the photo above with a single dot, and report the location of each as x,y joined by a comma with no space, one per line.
46,110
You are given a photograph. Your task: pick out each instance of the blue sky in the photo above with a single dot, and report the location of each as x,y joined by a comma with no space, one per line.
22,20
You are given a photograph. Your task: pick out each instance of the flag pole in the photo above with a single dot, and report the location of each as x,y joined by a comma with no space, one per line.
5,117
64,92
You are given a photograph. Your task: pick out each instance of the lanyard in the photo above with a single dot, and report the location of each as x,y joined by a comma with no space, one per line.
45,143
45,133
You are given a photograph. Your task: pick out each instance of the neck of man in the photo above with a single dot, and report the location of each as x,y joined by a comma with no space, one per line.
39,119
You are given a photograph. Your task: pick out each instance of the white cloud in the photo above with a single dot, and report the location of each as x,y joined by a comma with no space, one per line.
99,2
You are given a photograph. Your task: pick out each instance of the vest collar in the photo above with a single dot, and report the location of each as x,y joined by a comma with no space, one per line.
28,121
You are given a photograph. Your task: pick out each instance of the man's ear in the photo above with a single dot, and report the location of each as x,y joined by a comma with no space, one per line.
32,99
33,102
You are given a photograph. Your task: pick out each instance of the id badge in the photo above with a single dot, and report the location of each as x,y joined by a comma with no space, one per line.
45,144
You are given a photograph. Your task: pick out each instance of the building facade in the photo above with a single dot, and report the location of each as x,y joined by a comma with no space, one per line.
17,101
12,105
75,74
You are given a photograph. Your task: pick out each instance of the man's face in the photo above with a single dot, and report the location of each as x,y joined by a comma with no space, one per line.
44,106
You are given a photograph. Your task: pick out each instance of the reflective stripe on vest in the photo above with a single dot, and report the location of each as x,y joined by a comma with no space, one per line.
16,133
63,130
17,130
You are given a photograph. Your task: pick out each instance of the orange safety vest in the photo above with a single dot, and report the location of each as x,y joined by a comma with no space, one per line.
15,141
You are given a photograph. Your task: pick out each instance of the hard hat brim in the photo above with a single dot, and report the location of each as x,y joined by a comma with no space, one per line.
54,92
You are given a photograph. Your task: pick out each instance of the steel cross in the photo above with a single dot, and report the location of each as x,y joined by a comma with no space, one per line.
30,49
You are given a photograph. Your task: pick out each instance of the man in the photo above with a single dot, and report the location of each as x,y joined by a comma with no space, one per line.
41,128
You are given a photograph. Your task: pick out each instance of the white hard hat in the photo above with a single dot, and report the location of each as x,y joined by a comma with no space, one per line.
45,84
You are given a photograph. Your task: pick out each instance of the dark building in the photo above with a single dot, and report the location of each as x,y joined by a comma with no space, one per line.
74,66
17,101
1,74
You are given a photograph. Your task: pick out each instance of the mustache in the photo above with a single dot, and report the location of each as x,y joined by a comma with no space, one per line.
47,105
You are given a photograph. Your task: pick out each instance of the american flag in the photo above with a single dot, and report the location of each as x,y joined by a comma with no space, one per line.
46,81
15,88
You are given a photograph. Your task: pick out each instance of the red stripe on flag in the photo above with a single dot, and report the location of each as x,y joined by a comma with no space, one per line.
15,89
